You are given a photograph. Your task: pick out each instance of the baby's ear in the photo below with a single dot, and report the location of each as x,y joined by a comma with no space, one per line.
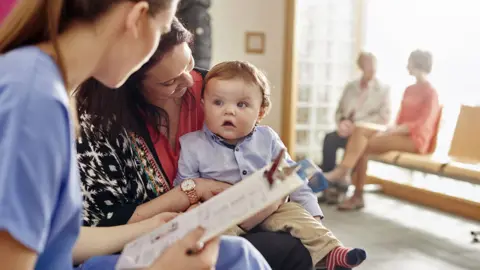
261,115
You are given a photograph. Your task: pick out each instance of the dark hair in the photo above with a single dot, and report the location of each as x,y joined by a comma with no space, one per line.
32,22
116,109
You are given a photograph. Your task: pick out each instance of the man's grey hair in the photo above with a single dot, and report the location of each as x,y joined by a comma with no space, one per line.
362,56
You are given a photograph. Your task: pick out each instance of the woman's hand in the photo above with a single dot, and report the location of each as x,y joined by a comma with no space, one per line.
188,253
99,241
207,188
160,219
392,130
192,206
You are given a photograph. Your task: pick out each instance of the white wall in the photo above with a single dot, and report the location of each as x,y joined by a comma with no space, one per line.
231,19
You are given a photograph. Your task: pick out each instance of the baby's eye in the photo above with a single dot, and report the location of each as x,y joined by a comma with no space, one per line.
242,104
218,102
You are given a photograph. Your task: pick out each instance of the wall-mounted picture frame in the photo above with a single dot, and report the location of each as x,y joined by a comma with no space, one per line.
255,42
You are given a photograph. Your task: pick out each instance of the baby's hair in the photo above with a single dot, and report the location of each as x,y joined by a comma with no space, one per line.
245,71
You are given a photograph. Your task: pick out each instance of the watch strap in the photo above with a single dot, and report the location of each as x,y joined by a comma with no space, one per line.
192,196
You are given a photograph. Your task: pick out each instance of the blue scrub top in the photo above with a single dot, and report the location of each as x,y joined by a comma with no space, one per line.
40,198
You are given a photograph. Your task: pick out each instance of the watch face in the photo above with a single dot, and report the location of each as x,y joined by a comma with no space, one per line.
188,185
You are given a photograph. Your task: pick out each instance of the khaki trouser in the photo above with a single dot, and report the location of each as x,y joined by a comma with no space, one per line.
294,219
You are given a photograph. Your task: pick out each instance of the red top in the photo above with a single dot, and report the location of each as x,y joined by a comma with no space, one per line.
191,119
420,111
5,8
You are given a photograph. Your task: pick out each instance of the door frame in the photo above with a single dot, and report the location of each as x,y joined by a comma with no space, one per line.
289,112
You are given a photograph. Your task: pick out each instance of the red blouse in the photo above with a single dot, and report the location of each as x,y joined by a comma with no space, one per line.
191,119
420,111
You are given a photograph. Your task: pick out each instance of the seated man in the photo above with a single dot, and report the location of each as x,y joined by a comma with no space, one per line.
365,99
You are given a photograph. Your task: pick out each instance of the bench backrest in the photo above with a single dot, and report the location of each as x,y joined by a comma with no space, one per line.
465,144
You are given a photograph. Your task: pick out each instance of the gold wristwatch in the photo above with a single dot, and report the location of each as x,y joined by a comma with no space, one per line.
188,186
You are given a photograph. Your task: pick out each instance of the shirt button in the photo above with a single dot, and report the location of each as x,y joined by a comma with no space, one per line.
237,149
244,172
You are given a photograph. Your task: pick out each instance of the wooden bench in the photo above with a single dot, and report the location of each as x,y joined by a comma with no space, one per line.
461,163
463,159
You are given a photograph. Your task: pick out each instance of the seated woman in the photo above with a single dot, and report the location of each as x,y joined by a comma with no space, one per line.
413,130
129,149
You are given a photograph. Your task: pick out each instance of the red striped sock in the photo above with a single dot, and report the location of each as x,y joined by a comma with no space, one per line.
345,257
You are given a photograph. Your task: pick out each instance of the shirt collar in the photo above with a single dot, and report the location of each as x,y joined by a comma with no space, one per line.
370,86
214,137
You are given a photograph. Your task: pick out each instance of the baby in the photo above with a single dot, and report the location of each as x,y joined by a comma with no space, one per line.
236,98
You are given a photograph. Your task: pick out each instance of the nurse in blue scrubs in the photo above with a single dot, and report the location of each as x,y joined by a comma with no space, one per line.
47,48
